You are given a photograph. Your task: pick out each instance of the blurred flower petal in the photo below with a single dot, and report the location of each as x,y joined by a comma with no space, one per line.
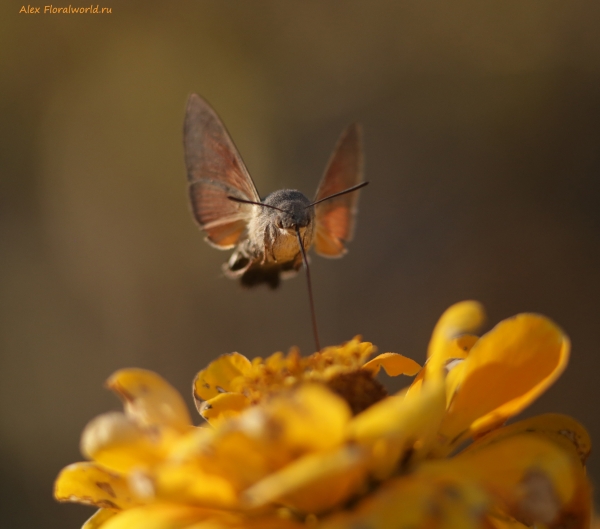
532,478
457,349
91,484
158,516
149,399
189,483
117,442
400,425
417,502
393,364
314,483
223,406
462,318
99,518
562,429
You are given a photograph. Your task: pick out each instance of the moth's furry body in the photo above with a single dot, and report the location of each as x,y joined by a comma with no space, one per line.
269,247
264,239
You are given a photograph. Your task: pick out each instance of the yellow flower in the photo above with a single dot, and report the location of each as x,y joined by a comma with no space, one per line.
295,441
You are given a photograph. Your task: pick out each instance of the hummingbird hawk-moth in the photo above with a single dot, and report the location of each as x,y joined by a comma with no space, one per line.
269,236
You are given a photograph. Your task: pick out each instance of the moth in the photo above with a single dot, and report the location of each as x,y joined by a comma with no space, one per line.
269,236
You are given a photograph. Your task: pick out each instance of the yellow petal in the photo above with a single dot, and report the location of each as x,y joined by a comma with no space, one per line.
149,399
562,429
462,345
397,415
462,318
394,365
499,521
187,447
99,518
456,349
240,458
242,521
91,484
156,516
263,439
218,376
314,483
506,369
416,502
223,406
397,425
531,478
119,444
188,483
312,417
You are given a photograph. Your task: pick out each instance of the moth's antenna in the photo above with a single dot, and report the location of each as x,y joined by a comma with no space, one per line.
310,294
349,190
244,201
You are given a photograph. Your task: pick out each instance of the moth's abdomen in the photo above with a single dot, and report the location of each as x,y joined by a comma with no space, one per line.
285,246
282,259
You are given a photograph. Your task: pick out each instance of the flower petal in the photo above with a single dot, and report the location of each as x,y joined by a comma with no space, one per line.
157,516
457,349
265,438
462,318
91,484
310,418
149,399
399,425
219,375
499,520
222,406
417,502
506,369
99,518
530,478
188,483
394,365
117,442
314,483
282,519
562,429
398,415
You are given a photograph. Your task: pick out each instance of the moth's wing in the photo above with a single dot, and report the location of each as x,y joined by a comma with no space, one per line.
335,217
215,171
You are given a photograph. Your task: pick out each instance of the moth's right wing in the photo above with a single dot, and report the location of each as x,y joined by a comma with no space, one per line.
215,171
335,218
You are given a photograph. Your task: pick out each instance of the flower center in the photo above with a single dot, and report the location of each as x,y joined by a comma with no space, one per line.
358,388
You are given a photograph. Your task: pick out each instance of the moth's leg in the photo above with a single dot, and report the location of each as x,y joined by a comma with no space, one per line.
240,260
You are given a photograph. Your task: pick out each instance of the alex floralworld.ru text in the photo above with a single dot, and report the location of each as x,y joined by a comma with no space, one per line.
54,10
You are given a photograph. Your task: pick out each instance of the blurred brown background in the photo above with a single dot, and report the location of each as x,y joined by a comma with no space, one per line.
482,132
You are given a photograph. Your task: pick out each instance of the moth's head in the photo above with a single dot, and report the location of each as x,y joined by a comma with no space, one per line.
293,211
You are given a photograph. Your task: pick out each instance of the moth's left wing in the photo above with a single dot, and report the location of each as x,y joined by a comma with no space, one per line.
215,171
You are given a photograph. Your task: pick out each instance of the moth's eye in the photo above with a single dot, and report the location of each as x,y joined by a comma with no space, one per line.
279,223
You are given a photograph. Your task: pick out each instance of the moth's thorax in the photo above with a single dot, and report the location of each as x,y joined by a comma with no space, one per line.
295,209
273,232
